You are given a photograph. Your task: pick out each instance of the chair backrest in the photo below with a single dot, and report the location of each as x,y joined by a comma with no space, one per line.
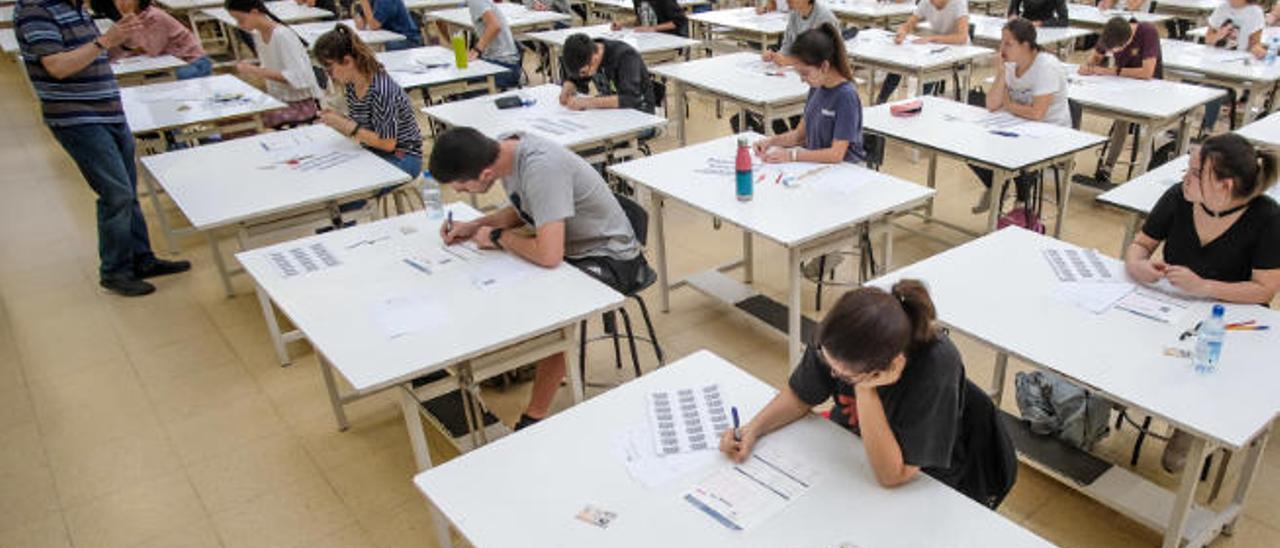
849,33
637,216
991,462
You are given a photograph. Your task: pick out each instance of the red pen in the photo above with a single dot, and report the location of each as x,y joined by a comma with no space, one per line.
778,180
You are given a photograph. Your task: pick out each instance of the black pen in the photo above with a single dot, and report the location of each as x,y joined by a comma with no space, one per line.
1190,332
448,223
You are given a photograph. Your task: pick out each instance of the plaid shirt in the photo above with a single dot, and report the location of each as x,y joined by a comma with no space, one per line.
48,27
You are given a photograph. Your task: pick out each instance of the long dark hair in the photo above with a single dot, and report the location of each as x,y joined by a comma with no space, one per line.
1253,170
1023,32
869,327
823,43
245,6
340,43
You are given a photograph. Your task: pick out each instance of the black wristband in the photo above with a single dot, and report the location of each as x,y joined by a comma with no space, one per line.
99,44
494,236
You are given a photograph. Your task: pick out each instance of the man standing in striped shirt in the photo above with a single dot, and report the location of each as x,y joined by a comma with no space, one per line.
66,61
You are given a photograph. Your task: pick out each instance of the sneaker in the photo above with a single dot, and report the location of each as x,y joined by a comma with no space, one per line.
525,422
160,267
1101,180
984,203
127,286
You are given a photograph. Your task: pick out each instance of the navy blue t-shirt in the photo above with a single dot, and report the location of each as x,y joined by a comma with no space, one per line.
834,113
393,16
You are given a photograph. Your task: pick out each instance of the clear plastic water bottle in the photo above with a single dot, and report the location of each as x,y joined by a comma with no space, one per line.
432,200
1272,49
1209,341
743,185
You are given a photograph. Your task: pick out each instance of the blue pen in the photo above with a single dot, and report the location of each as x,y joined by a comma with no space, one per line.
417,266
734,411
448,222
1003,133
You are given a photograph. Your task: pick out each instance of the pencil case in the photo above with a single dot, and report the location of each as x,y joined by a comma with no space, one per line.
909,108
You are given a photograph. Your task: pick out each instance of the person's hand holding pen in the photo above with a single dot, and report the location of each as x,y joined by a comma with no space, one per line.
1186,280
900,37
737,443
1149,271
337,121
760,146
457,232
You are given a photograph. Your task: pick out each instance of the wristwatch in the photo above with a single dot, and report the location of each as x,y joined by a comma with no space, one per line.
494,236
99,44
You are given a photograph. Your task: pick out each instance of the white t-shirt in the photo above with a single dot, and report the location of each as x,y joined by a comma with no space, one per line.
286,54
1045,76
1248,20
942,21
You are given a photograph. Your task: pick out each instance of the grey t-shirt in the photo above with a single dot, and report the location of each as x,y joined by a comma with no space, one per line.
550,183
503,47
797,24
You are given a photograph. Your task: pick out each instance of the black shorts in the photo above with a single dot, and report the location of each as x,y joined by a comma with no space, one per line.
624,276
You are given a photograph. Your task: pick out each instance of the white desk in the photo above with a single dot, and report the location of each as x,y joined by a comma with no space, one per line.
987,31
739,24
828,211
1138,196
986,288
1225,68
519,18
1191,10
424,6
740,79
1154,105
654,47
604,10
241,184
174,105
871,13
949,128
1264,132
137,69
286,10
183,6
1094,18
875,49
9,43
6,16
1197,34
433,70
314,30
478,333
578,130
548,473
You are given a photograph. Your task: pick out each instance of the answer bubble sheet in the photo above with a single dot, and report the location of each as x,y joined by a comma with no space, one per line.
688,419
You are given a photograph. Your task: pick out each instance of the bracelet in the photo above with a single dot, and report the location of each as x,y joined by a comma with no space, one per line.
99,44
354,130
794,152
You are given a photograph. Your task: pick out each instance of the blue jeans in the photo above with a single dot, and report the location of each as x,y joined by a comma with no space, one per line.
196,69
104,154
410,42
408,163
506,80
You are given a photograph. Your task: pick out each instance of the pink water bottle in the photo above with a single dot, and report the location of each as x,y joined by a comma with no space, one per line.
742,171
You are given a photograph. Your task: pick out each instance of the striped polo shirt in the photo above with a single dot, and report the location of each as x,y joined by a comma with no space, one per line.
47,27
386,110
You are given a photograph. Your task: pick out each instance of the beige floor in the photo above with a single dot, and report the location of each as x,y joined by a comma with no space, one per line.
165,421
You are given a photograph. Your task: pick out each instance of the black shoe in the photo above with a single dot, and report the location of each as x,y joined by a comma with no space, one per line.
1100,181
525,422
160,267
127,286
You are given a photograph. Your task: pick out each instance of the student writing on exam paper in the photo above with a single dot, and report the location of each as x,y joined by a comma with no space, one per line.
560,210
895,377
1032,85
949,21
379,114
1221,236
1041,13
390,15
1134,49
617,70
283,63
1237,25
657,16
802,16
831,130
494,42
160,34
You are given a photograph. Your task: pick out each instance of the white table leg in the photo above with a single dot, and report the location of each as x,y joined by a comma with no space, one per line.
932,182
998,179
153,195
1130,231
1255,99
655,213
1146,141
273,326
793,308
886,261
335,399
748,258
677,114
1248,473
220,263
576,383
1186,493
1067,168
422,456
998,376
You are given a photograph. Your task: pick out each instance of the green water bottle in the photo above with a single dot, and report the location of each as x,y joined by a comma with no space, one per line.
460,51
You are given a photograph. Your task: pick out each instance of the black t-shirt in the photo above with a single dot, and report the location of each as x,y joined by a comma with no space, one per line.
1050,13
656,12
622,72
924,407
1252,242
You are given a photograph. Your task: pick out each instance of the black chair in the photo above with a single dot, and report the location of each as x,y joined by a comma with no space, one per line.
639,219
990,458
